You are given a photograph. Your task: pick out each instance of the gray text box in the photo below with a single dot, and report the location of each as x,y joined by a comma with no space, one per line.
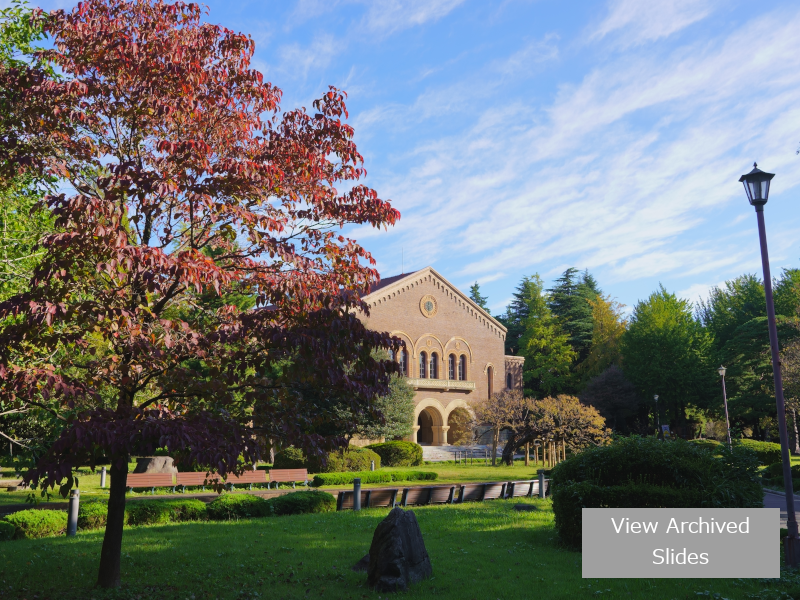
615,543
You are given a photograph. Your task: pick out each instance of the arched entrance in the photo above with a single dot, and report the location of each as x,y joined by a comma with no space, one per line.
429,427
460,432
425,433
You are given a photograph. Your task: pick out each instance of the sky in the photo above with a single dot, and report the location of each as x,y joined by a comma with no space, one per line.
519,137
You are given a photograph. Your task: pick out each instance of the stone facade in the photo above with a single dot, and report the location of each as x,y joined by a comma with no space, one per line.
460,346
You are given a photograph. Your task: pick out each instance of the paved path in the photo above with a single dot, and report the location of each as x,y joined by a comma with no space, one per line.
778,500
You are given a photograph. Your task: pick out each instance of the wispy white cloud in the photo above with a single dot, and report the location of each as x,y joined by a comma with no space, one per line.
616,172
389,16
639,21
298,61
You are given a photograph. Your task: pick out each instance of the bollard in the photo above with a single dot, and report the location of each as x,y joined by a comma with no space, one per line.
103,477
72,516
541,482
372,465
357,493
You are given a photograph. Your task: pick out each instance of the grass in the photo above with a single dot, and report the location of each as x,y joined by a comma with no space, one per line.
480,550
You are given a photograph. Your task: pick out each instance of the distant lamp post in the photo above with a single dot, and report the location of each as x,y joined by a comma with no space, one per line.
658,418
721,371
756,185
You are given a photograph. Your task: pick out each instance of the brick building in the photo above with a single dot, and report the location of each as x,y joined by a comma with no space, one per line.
454,352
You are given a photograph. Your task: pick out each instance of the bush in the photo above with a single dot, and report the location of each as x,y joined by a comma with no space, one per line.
290,458
712,445
154,512
92,514
6,531
351,459
229,507
373,477
398,454
645,472
297,503
767,452
32,523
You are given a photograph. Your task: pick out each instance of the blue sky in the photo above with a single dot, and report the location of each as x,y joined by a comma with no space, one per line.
518,136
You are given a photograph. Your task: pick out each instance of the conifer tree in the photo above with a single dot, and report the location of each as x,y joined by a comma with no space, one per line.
475,296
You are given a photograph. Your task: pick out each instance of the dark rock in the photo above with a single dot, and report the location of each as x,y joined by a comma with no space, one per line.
397,556
362,566
155,464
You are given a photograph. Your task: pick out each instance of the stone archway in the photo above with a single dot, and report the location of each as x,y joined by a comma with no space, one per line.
429,427
458,417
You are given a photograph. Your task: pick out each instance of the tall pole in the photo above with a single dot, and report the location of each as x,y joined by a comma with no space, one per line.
725,400
792,540
658,419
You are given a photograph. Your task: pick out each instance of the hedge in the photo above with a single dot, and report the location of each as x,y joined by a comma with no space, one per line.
372,477
351,459
568,500
647,472
154,512
6,531
398,454
767,452
92,514
245,506
712,445
32,523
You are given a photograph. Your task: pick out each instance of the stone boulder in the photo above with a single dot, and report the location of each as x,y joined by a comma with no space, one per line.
397,556
155,464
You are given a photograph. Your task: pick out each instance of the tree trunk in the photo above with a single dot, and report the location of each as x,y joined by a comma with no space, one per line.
110,555
528,454
495,440
796,444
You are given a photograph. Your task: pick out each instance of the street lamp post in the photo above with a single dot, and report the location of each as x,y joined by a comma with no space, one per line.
756,185
721,371
658,418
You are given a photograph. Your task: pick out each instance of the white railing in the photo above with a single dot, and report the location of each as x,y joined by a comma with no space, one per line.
441,384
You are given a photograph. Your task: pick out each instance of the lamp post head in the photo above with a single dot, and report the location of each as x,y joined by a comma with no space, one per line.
756,185
655,397
721,371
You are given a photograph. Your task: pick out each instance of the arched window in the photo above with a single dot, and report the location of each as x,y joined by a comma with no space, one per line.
509,380
490,376
433,370
451,367
462,368
423,364
403,361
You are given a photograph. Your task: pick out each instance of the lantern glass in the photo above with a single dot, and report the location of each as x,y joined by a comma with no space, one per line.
722,371
756,185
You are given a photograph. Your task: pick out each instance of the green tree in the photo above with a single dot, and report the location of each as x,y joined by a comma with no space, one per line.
614,396
666,351
569,301
608,327
545,346
395,413
517,312
475,296
787,293
732,305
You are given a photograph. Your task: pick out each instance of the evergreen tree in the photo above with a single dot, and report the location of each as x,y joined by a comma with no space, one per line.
545,346
528,290
787,293
569,301
737,302
475,296
609,326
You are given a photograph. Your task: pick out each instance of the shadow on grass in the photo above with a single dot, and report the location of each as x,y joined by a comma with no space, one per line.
486,550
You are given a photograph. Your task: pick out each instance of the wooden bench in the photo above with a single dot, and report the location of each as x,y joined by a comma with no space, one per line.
518,489
442,494
478,492
369,499
149,480
195,479
247,478
415,495
287,476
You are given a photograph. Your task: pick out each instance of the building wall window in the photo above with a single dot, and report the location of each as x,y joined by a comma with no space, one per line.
462,368
490,376
509,380
433,369
423,365
451,366
403,361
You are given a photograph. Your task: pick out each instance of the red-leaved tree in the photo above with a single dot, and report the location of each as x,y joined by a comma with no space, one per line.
186,180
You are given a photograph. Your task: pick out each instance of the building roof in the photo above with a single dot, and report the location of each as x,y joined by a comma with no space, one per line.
386,281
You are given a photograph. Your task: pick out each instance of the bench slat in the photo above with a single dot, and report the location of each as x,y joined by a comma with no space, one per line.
288,475
195,478
246,477
149,479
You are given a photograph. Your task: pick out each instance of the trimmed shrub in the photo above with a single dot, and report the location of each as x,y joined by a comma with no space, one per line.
373,477
398,454
6,531
230,507
767,452
712,445
154,512
775,471
290,458
297,503
92,514
32,523
646,472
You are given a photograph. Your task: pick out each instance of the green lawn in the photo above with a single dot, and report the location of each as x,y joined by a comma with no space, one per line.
480,550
